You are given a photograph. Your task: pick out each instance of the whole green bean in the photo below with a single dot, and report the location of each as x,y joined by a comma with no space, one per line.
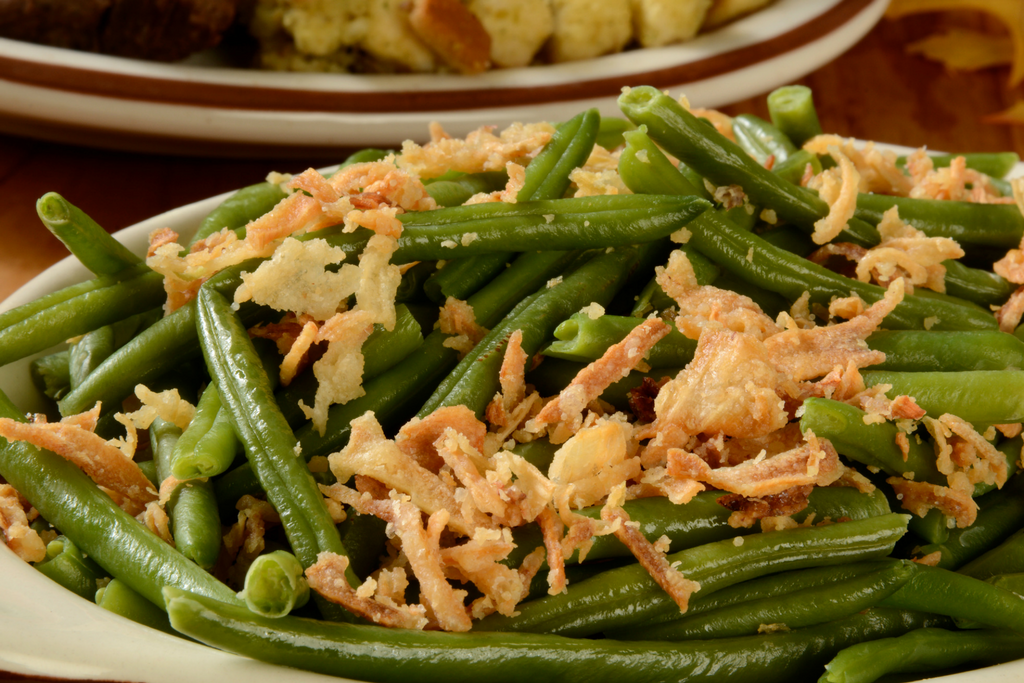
115,540
1005,558
556,224
191,505
967,394
934,350
372,653
269,443
799,609
132,291
96,248
762,140
626,596
455,191
927,649
759,263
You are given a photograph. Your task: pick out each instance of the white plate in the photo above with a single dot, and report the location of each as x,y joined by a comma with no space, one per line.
46,631
188,108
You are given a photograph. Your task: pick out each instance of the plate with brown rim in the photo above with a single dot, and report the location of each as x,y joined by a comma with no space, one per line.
201,106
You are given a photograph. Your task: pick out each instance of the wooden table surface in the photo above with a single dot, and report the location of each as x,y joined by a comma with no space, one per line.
874,91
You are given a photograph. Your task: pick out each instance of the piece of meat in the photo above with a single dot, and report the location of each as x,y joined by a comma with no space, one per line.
160,30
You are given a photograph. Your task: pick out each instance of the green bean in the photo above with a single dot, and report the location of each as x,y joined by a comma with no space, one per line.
975,285
132,291
941,591
555,224
802,608
723,162
969,223
967,394
474,382
1000,514
118,598
167,345
992,164
382,350
275,585
612,131
1005,558
462,277
919,651
394,391
191,505
269,443
701,520
365,540
412,286
189,460
66,565
645,169
51,374
457,191
69,500
654,298
762,140
96,248
759,263
546,177
788,238
922,351
871,444
626,596
368,653
793,169
583,338
791,109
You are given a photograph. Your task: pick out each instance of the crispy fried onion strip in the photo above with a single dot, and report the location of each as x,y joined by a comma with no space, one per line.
918,497
804,354
481,150
371,454
672,581
813,463
478,560
104,463
512,380
458,320
422,548
701,306
731,386
567,408
839,187
14,522
327,577
906,251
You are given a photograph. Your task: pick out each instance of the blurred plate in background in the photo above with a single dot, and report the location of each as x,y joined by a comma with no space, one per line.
200,107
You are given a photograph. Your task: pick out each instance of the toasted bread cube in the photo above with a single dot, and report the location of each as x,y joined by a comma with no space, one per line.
518,30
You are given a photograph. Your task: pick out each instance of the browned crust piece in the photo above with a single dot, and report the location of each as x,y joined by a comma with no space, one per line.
453,32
